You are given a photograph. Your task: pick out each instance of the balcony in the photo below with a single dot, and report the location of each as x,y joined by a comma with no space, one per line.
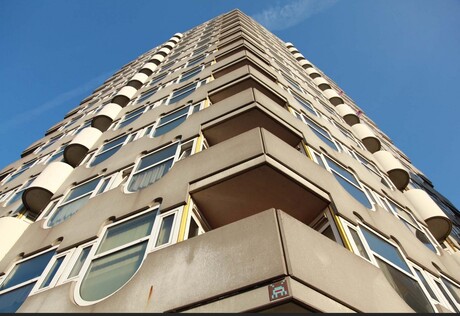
105,117
347,113
39,193
395,170
438,222
255,184
367,136
77,149
249,109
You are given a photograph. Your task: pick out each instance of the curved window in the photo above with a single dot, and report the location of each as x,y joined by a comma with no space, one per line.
152,167
79,196
121,251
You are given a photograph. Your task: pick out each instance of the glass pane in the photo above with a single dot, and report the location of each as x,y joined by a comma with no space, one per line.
82,189
65,211
11,301
149,176
446,295
113,143
385,249
326,140
183,95
409,290
359,244
453,289
103,156
342,171
127,232
156,157
173,115
427,286
165,230
79,264
107,274
193,230
52,272
27,270
354,191
169,126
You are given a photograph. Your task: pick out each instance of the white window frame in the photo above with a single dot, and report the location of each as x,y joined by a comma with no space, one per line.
145,108
130,137
139,159
150,238
191,110
111,184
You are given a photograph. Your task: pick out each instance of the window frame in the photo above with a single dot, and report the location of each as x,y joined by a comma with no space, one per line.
151,239
139,159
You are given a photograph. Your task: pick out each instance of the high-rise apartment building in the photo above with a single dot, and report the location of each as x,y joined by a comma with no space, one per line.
223,171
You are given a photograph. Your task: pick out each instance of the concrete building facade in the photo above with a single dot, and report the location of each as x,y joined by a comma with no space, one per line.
223,172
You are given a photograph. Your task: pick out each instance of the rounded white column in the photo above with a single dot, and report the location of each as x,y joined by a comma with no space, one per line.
77,149
367,136
39,193
394,168
105,117
438,222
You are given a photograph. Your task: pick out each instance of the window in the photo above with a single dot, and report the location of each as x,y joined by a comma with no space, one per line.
21,279
111,147
49,143
195,60
118,255
147,94
78,196
21,170
182,92
199,50
292,82
306,105
191,73
174,119
411,223
158,78
346,178
131,117
58,155
399,274
152,167
168,65
319,131
17,195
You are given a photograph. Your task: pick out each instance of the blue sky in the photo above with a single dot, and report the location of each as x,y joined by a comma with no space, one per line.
399,60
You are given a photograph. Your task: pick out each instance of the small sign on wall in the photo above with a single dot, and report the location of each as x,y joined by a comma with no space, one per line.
278,290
